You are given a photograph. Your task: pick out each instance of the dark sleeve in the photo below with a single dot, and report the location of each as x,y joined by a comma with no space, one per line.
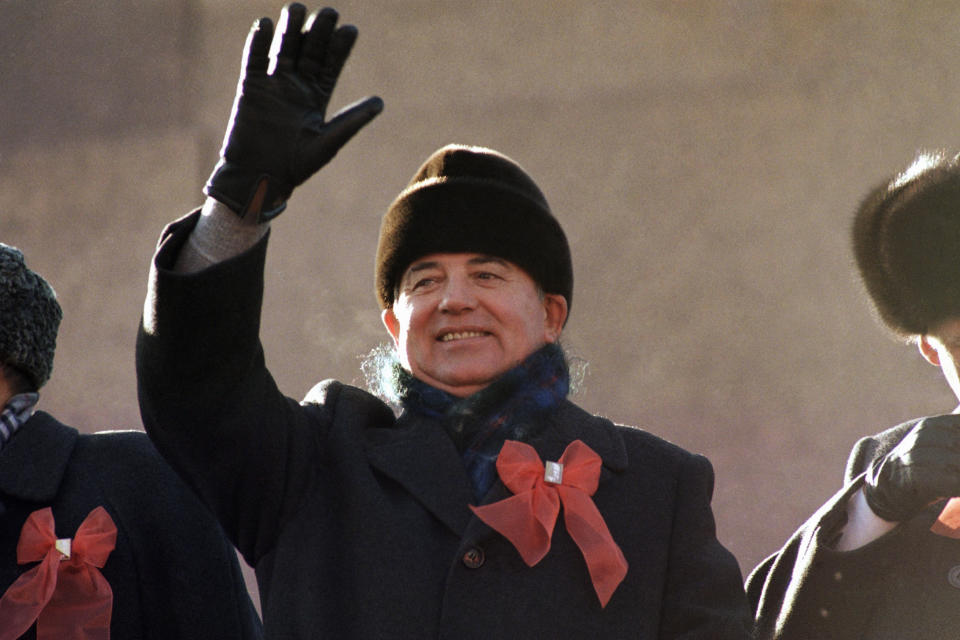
808,589
704,595
871,447
189,581
208,401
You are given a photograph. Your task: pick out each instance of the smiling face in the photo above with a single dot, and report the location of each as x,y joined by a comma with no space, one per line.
460,320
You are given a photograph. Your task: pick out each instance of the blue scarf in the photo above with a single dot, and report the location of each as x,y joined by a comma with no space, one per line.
18,410
510,408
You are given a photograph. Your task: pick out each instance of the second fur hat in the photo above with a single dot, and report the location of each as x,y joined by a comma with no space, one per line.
906,240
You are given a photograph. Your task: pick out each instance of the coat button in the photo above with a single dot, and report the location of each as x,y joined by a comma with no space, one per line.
953,576
473,558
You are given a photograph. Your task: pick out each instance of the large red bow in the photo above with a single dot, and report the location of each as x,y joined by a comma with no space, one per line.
65,594
527,518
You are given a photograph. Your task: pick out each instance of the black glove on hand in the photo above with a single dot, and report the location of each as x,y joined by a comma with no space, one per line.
922,468
278,136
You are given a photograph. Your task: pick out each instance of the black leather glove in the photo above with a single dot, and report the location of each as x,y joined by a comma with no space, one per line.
922,468
278,136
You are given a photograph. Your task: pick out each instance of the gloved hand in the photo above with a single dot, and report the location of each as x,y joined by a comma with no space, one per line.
922,468
278,136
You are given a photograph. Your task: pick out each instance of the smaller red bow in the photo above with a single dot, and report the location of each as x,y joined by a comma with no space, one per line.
947,523
528,517
65,594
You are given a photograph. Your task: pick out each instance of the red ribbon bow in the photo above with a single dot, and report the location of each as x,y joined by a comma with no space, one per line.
947,523
65,594
527,518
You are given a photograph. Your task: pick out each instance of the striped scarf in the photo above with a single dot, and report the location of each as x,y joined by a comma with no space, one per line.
17,411
510,408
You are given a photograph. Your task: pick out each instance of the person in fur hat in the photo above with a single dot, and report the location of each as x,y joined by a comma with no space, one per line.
442,519
881,559
98,536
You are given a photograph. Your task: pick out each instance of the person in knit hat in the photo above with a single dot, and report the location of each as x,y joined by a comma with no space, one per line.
104,506
30,320
880,558
432,509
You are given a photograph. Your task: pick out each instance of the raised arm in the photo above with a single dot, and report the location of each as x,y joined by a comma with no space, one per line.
206,397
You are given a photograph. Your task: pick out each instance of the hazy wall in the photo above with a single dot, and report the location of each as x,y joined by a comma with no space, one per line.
704,159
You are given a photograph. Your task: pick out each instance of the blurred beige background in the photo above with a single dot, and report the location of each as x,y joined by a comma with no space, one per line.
704,158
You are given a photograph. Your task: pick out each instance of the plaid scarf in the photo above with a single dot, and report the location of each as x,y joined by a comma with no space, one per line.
18,410
510,408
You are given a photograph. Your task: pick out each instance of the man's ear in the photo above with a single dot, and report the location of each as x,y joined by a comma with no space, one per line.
389,319
6,390
929,351
556,307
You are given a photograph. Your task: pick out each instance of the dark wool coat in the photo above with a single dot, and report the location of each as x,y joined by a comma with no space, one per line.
903,585
173,574
358,523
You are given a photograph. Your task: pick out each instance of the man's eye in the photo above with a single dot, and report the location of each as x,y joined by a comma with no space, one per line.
422,282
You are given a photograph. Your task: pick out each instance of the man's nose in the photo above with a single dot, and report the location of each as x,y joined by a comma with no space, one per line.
457,296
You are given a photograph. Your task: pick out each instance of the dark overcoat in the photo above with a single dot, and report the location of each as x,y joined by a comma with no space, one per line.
357,521
903,585
173,574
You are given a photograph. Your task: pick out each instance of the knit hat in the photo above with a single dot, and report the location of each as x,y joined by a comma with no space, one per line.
906,239
473,200
29,318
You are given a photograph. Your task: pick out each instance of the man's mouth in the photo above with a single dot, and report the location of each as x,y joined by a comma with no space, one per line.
461,335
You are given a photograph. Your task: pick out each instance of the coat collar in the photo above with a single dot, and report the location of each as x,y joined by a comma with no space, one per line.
33,462
570,423
418,454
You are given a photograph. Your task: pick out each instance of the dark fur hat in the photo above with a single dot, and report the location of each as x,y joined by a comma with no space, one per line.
473,200
906,239
29,318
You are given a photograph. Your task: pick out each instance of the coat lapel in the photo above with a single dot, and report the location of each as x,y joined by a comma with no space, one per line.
419,455
32,464
568,423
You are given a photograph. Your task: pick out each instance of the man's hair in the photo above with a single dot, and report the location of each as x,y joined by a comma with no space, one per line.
379,369
17,380
906,241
